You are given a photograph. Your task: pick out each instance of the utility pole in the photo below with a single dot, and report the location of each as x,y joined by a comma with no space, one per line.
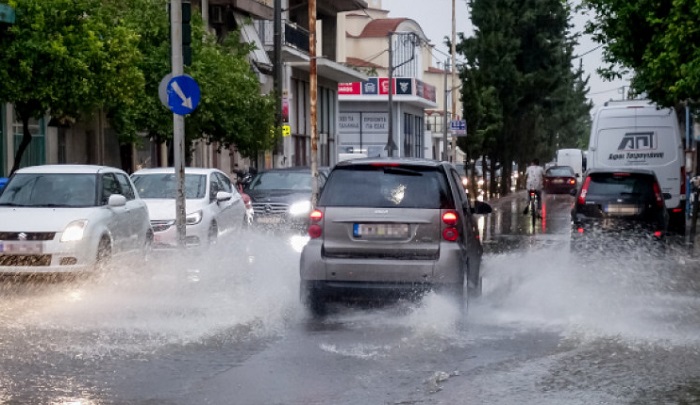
453,52
446,121
313,90
390,144
277,62
178,120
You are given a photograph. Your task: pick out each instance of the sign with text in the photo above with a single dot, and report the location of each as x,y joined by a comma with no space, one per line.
375,123
349,88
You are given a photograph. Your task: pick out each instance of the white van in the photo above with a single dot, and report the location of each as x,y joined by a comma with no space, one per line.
637,134
572,158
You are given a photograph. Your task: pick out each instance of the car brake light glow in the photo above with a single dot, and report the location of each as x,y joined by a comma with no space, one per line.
657,234
316,216
621,174
449,218
677,210
584,190
579,230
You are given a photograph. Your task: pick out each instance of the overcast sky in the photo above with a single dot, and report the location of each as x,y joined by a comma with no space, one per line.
435,17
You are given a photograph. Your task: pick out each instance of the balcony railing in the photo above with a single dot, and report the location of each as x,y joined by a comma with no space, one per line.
292,35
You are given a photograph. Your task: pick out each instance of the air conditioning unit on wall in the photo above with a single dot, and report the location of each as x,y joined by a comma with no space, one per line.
216,14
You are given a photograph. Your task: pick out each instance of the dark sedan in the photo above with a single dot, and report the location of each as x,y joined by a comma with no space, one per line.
282,197
559,180
619,212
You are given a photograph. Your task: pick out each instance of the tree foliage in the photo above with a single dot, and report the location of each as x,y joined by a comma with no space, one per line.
65,57
522,97
656,40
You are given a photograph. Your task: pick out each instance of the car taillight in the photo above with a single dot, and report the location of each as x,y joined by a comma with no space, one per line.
658,195
449,231
657,234
315,228
683,180
584,190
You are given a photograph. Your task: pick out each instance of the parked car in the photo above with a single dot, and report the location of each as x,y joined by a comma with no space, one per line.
282,197
70,219
213,205
392,227
560,180
617,210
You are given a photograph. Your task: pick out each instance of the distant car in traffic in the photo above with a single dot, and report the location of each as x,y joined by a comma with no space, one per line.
282,197
70,219
392,227
213,205
560,180
616,210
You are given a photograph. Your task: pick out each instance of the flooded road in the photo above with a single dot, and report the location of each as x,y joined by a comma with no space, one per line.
226,327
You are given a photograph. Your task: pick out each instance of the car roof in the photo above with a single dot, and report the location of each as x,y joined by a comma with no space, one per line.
388,160
171,170
620,170
69,169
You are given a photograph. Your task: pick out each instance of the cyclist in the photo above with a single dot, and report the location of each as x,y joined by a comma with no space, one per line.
535,178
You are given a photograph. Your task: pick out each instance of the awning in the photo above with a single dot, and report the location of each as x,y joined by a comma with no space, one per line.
329,69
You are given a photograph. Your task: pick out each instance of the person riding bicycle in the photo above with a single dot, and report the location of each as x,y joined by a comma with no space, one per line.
535,178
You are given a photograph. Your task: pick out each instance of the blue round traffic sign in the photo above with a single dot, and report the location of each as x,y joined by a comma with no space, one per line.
183,94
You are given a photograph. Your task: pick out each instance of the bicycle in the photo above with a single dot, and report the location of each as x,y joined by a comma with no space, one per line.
534,204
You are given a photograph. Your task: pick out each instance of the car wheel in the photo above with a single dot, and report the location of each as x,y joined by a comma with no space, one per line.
313,299
104,253
148,246
213,234
459,293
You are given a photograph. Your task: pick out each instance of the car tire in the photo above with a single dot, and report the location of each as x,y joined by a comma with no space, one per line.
313,299
459,294
213,234
104,253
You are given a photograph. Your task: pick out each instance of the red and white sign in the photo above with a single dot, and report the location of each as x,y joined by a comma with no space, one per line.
349,88
384,85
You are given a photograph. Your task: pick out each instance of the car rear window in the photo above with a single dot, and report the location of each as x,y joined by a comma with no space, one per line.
387,187
610,184
560,171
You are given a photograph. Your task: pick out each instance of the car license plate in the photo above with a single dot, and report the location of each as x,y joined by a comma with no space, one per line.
557,181
22,247
379,231
621,209
268,220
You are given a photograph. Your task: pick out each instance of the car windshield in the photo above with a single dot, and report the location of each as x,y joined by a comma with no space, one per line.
386,187
300,181
164,185
560,172
50,190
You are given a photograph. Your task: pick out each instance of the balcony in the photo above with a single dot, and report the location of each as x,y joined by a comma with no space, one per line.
262,9
293,36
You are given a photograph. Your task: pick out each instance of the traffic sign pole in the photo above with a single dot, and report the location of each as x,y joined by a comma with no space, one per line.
178,121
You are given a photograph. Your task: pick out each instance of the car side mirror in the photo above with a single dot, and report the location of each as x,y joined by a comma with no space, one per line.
578,175
667,196
223,196
116,200
481,207
573,192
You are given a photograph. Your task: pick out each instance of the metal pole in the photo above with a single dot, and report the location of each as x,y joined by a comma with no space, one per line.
453,53
444,126
313,85
277,56
178,120
390,144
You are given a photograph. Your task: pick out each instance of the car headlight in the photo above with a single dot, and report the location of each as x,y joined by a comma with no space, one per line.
300,208
465,181
194,218
74,231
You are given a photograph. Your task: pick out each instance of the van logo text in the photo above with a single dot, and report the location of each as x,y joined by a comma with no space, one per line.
637,141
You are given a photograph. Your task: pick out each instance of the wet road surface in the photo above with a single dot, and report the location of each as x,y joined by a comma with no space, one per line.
226,327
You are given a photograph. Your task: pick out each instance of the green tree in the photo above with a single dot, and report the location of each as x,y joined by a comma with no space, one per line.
65,58
231,111
656,41
520,93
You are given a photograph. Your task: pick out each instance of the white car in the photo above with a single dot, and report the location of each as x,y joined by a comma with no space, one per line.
212,205
70,219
